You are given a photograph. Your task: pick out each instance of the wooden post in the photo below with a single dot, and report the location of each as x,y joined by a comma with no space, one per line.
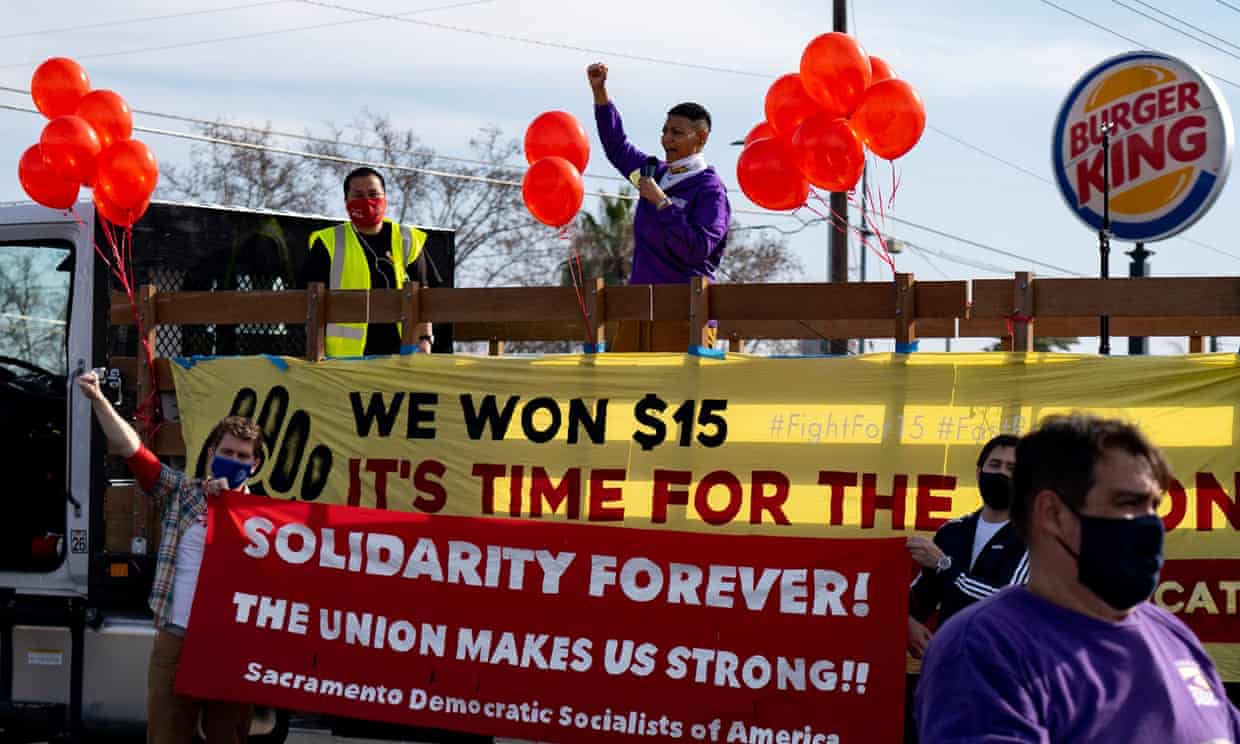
1196,344
699,310
146,311
410,314
906,310
495,347
596,310
316,321
1022,312
736,344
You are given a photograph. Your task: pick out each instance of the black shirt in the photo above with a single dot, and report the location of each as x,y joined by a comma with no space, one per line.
381,338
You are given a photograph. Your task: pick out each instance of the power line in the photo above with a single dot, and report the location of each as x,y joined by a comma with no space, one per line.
992,156
325,140
1229,5
1129,39
254,35
142,19
1183,22
1181,32
1209,247
983,246
536,42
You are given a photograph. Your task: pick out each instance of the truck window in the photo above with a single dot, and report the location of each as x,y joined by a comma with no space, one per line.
35,285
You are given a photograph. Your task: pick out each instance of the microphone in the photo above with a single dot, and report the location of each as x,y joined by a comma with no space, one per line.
648,169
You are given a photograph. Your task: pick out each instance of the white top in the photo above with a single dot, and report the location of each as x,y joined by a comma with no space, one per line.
185,572
985,531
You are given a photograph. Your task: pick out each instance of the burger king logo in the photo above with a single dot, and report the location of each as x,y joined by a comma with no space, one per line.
1170,145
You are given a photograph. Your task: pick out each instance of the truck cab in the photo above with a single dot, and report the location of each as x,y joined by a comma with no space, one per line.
78,541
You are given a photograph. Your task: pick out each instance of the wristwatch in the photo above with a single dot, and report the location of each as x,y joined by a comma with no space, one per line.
944,563
667,201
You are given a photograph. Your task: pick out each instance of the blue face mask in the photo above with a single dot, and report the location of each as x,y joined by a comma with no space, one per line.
234,471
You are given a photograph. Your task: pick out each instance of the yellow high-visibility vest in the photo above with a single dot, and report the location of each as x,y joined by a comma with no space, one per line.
351,270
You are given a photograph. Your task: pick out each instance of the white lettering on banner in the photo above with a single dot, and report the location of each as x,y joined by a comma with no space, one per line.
720,668
530,652
382,554
1206,597
642,580
790,591
310,684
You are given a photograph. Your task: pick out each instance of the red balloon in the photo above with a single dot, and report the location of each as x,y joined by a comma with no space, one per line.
120,216
108,113
880,70
57,86
891,118
762,130
829,153
127,174
835,72
42,183
769,176
787,104
557,134
553,191
70,147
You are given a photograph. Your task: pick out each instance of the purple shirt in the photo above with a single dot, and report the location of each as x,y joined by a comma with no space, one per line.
685,238
1017,668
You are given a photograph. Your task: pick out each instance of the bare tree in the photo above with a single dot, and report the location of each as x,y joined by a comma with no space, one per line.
33,302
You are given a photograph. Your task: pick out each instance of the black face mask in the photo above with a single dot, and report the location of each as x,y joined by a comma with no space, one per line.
996,490
1120,559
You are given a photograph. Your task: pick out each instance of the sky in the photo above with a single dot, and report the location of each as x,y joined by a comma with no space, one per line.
992,75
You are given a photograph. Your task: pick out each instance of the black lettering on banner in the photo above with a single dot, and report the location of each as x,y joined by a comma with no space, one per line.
487,416
375,413
530,410
418,416
579,418
653,431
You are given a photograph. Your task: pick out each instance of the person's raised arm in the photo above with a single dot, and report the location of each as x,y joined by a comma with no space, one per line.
620,153
122,438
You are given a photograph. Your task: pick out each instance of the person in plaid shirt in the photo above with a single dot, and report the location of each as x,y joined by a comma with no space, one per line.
235,448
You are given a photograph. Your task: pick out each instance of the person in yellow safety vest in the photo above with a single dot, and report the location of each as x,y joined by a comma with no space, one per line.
367,252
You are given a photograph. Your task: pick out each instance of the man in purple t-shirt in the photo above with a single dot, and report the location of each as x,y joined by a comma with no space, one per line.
1079,655
680,226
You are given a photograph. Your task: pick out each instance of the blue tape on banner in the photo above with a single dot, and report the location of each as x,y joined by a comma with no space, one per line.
589,348
706,351
410,349
279,362
908,348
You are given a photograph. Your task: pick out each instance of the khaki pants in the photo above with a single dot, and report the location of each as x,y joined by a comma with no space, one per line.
172,718
655,335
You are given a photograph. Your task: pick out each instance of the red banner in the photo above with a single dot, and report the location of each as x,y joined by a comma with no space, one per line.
554,632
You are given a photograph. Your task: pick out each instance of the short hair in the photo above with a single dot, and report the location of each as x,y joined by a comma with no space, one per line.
1002,440
1060,456
694,112
362,173
240,427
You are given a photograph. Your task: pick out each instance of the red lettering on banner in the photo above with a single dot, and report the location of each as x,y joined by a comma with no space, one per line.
872,500
1178,498
574,632
1210,494
664,495
381,467
566,493
601,494
927,503
488,473
730,485
837,481
434,496
1186,146
773,504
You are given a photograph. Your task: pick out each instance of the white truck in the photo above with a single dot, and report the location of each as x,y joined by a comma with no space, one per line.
76,564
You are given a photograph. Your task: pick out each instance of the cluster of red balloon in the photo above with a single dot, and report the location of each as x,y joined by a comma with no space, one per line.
818,120
557,149
86,142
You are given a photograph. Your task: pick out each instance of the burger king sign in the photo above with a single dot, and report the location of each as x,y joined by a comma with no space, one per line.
1170,145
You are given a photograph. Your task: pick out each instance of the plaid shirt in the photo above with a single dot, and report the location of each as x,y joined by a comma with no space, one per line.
181,500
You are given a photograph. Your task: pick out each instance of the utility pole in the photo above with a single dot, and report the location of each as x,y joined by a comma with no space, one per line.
837,266
1137,269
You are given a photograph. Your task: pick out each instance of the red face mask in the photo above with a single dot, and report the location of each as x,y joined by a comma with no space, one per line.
366,212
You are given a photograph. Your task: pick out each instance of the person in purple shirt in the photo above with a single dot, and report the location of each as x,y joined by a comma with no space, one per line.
1079,655
681,223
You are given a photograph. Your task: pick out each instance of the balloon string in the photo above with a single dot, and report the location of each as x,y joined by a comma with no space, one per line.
895,184
577,273
841,223
120,265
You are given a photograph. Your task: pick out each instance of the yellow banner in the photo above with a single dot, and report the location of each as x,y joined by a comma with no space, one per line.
830,447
